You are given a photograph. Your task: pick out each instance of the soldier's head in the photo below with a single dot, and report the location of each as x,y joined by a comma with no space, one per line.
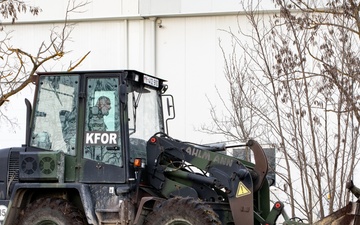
104,105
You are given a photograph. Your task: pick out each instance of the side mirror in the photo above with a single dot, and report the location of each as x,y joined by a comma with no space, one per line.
170,106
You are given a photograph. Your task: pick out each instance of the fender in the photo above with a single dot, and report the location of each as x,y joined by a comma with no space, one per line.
22,192
149,202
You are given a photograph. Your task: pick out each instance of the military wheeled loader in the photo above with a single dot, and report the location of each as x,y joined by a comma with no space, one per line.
97,152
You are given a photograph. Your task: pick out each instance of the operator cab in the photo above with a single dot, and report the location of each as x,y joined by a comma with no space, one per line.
100,119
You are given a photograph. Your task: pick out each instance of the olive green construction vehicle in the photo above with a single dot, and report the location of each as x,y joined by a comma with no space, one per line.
97,152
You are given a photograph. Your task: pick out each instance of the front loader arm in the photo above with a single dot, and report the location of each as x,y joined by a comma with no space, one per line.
168,158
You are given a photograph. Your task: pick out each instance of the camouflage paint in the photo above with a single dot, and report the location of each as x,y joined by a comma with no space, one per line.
54,163
225,178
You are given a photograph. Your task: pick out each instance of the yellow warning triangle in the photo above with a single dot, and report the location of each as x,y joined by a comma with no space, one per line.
242,190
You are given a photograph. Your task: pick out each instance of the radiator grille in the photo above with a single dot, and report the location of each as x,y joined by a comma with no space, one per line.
13,171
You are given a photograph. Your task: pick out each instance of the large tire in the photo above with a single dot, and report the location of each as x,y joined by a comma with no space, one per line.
182,211
52,211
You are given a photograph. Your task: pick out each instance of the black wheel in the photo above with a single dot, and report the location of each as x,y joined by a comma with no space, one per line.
182,211
52,211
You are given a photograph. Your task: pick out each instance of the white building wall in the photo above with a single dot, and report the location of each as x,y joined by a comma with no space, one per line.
177,41
189,56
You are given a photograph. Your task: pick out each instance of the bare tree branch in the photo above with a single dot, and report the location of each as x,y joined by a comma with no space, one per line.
19,66
303,66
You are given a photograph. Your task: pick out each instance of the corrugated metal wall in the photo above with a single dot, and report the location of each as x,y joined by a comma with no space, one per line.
179,43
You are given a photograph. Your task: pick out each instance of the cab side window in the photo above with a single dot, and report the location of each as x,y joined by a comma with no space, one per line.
102,123
55,114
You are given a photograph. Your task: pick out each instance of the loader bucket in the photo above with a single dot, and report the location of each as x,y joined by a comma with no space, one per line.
349,215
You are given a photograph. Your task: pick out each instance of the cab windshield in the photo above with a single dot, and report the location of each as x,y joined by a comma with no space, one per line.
145,116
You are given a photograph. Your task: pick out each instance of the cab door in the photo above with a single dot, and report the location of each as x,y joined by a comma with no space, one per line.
102,159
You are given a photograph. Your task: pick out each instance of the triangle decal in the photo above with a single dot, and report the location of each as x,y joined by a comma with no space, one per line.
242,190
